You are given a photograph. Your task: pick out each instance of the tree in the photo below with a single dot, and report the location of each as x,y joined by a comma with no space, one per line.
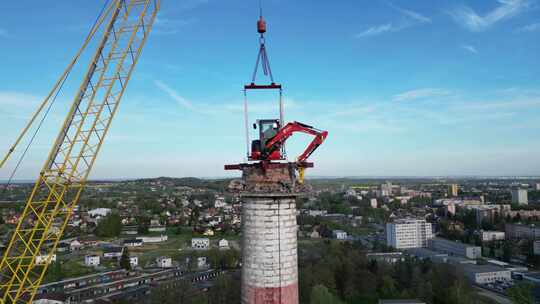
321,295
109,226
521,293
507,250
224,290
54,272
215,257
182,293
124,259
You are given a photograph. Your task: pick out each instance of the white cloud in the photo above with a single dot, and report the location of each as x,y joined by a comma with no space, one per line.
17,99
471,20
190,4
412,14
258,106
530,28
174,95
255,106
377,30
412,19
167,26
513,103
470,48
353,110
420,94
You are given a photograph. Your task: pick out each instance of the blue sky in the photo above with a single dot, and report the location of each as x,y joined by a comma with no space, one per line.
405,88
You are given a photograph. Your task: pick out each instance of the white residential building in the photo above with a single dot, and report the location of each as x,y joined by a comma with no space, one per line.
164,262
75,245
92,260
133,261
200,243
408,233
113,252
223,244
202,262
519,196
317,212
339,234
133,243
99,212
153,239
220,202
386,189
44,259
373,203
492,235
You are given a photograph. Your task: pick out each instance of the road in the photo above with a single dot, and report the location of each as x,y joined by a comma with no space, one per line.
498,298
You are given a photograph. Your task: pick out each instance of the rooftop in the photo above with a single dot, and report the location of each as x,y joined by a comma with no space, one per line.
472,268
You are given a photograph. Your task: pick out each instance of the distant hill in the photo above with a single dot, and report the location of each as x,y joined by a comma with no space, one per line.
193,182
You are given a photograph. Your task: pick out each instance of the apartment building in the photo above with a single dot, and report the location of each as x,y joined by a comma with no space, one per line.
408,233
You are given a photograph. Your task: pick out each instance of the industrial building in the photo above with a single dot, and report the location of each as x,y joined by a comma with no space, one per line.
455,248
408,233
118,284
536,247
521,231
386,257
488,236
484,274
438,257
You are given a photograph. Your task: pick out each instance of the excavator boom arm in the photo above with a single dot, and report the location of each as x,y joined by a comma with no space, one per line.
289,129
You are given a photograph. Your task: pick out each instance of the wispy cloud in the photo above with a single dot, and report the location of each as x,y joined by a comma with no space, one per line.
470,48
412,18
530,28
205,108
190,4
17,99
169,26
521,103
258,106
471,20
411,14
420,94
377,30
174,95
353,110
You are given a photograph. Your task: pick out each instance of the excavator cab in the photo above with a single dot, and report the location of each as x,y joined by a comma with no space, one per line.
268,129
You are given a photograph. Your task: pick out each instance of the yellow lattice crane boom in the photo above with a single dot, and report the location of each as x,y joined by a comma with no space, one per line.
125,25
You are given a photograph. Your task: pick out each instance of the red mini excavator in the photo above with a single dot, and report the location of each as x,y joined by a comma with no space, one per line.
272,138
271,142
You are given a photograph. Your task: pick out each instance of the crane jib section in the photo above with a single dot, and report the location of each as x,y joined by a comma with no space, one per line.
64,175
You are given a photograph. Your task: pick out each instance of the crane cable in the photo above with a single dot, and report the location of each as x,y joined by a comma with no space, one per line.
262,57
55,91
